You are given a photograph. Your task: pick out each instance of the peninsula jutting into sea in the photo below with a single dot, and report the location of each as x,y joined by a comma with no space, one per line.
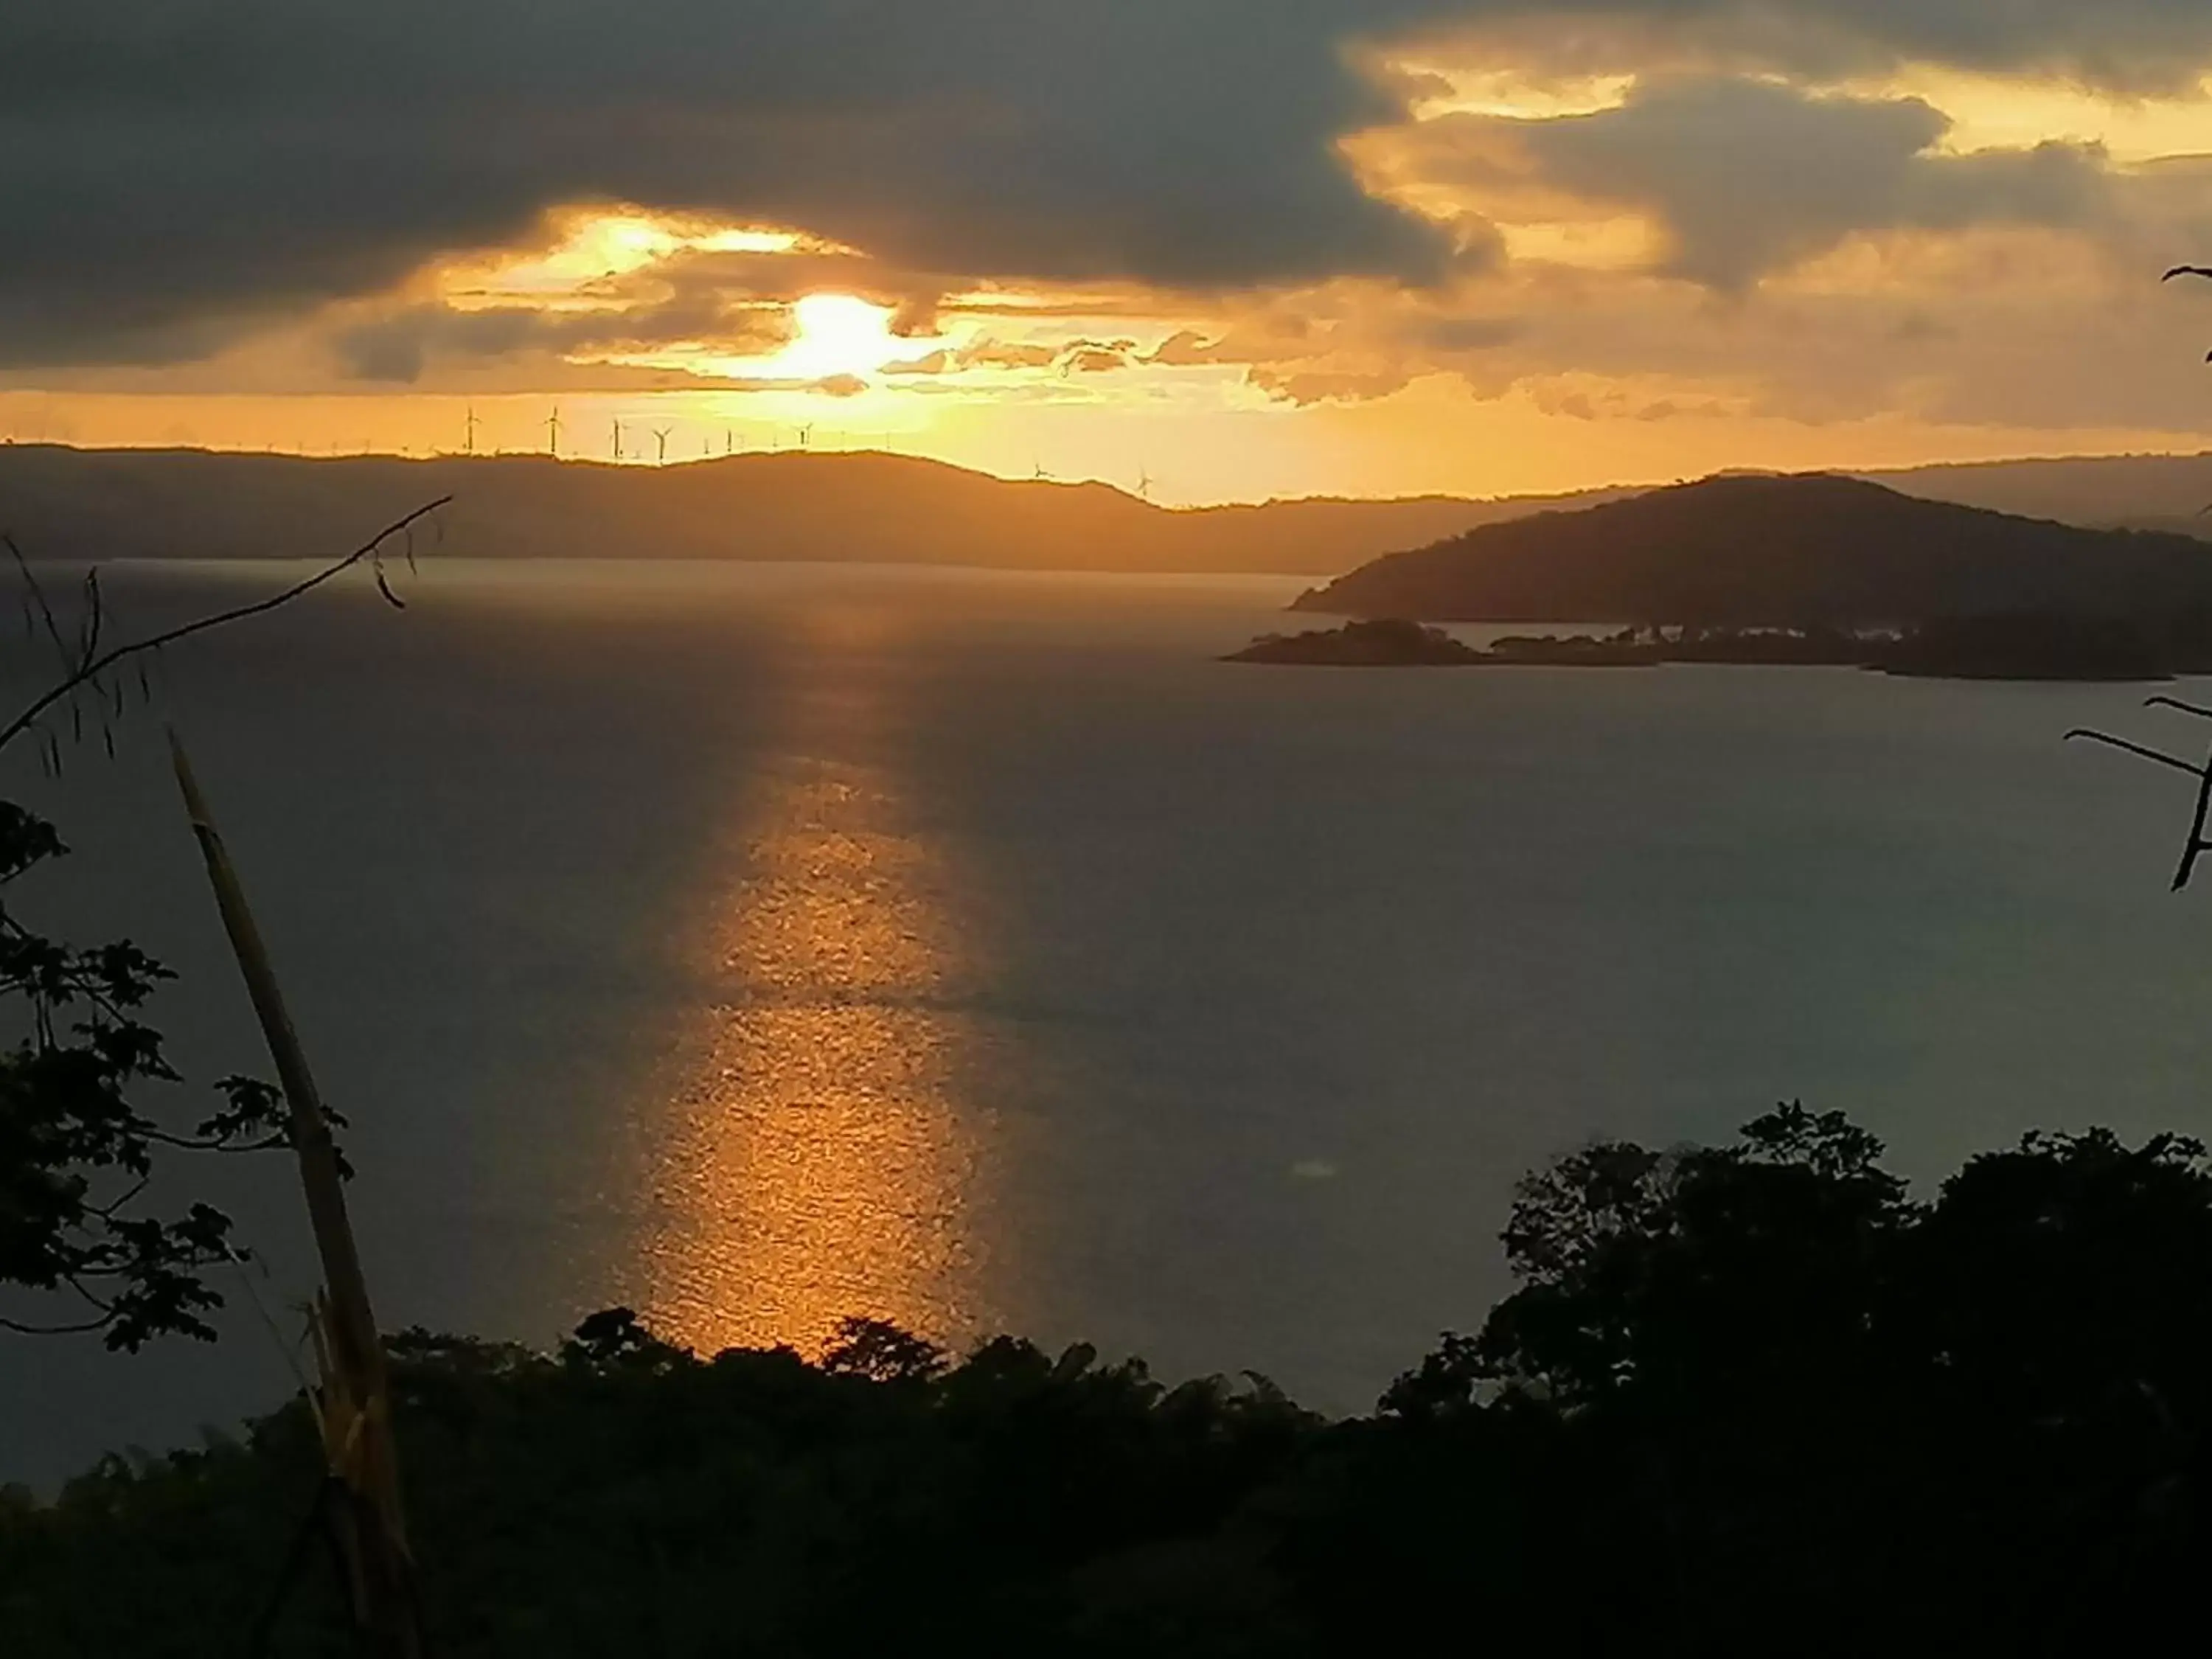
1809,571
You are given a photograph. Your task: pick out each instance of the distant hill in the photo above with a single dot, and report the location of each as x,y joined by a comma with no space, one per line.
61,502
1776,551
2102,492
2143,492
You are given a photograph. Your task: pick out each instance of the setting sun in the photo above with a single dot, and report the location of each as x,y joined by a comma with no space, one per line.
839,334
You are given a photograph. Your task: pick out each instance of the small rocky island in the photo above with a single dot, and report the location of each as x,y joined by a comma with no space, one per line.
2024,645
1385,643
1394,642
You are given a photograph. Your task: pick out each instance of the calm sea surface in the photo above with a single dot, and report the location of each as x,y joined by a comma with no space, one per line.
759,946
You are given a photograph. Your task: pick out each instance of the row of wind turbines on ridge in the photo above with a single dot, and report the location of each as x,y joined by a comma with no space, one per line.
661,435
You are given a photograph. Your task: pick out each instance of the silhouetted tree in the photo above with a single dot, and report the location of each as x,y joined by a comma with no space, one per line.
1653,1277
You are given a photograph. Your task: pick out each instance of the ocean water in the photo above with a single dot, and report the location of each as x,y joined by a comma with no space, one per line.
758,945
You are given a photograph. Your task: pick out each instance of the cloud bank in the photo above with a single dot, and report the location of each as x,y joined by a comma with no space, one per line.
174,172
1280,197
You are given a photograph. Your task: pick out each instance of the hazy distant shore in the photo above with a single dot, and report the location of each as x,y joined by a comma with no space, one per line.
61,502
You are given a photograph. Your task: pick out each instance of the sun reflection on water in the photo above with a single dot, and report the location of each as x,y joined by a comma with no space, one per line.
823,1160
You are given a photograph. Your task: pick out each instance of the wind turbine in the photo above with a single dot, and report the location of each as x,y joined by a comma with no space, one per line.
469,426
806,435
553,431
1039,475
660,436
1143,483
617,426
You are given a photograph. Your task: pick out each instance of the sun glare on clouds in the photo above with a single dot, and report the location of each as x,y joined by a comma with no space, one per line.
836,336
594,245
1573,346
839,334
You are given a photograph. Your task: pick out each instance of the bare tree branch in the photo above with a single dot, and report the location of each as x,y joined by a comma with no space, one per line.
2197,846
143,1278
89,668
2176,703
38,597
57,1330
2162,758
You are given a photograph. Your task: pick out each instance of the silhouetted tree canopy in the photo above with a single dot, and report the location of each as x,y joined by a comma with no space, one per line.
1753,1399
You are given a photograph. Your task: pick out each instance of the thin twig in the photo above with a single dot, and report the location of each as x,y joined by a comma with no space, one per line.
38,597
89,629
106,1212
84,1328
202,1144
317,1519
2163,759
289,1351
2197,845
98,666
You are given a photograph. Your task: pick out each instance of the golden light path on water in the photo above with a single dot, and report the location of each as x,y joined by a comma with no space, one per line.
821,1160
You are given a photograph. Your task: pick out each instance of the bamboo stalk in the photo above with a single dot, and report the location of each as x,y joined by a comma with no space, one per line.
356,1394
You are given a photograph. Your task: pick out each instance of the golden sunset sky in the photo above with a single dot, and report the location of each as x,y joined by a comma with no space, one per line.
1226,251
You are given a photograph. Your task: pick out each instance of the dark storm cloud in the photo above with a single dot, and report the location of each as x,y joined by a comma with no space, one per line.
2129,45
2140,44
170,170
400,346
173,172
1748,177
1470,333
397,348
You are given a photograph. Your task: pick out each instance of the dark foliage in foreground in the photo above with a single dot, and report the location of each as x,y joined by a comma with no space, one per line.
79,1250
1747,1399
82,1246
